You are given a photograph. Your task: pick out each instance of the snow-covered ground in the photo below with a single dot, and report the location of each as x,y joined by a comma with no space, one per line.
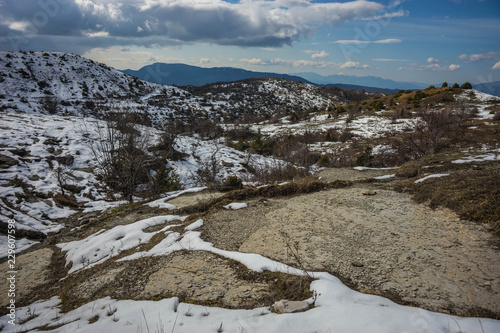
33,145
37,144
362,126
336,307
486,155
482,102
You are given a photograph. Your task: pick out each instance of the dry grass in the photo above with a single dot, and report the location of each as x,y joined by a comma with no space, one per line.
474,194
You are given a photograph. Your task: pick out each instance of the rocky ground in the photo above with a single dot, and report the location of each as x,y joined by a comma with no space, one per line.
375,239
378,241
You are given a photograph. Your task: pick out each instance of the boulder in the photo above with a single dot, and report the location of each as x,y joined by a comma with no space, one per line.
285,306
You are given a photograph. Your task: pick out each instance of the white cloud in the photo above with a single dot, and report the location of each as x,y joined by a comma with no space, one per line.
19,25
390,60
380,41
251,23
432,60
97,34
316,54
322,54
433,67
354,65
496,66
395,3
480,57
160,23
106,9
288,63
401,13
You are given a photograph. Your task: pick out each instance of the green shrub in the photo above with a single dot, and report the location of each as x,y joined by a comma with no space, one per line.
166,180
232,183
466,85
324,160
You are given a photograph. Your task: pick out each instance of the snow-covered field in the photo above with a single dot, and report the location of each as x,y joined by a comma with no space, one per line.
364,127
336,307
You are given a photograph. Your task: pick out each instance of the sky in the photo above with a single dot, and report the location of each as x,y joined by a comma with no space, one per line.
427,41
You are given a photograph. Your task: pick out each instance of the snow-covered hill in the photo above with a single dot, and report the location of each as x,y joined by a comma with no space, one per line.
36,149
61,83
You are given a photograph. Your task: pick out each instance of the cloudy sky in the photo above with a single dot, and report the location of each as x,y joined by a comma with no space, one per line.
427,41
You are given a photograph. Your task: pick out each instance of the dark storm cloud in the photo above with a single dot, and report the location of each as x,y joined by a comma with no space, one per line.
28,24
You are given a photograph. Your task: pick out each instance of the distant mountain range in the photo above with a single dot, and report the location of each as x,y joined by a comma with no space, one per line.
187,75
367,81
492,88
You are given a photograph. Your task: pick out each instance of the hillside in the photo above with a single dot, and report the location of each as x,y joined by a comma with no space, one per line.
58,83
368,210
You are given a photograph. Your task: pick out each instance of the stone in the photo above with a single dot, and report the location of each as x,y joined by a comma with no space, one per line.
369,193
285,306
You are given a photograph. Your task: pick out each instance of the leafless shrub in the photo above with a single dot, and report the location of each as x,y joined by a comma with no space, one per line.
274,172
432,132
50,104
62,177
340,157
496,116
206,129
209,169
120,150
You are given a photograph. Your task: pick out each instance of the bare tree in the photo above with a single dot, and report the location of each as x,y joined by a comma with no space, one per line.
62,177
119,146
209,168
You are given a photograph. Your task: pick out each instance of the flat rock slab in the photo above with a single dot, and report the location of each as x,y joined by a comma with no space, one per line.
427,257
285,306
204,276
32,271
190,199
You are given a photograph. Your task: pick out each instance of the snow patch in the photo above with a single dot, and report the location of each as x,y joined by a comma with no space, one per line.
437,175
236,205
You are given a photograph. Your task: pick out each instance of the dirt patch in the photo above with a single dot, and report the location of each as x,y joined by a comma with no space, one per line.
32,271
383,244
330,175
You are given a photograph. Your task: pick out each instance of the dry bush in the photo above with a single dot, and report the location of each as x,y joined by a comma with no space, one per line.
238,133
432,132
66,200
206,129
274,172
208,173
